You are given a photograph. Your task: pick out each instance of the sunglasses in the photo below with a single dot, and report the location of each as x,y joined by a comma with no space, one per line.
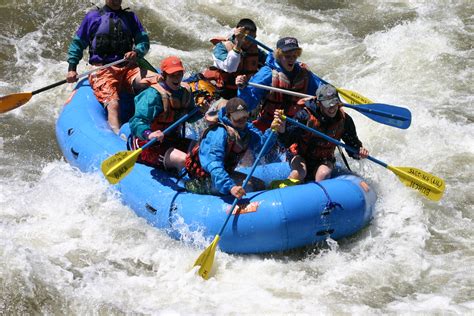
330,103
239,115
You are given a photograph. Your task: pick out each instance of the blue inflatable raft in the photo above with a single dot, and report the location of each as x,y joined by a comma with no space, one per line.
267,221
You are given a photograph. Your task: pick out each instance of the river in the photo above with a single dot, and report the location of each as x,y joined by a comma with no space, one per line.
69,246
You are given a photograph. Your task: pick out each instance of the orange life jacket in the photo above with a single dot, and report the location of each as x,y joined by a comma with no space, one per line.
311,146
173,108
235,149
248,66
278,100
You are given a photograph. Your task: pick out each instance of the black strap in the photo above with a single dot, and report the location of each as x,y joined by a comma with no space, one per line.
344,158
95,5
181,174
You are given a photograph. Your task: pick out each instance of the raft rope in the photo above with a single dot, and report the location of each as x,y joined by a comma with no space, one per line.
330,205
173,206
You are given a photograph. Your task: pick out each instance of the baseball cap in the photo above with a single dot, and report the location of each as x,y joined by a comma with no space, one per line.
327,95
237,107
171,65
287,43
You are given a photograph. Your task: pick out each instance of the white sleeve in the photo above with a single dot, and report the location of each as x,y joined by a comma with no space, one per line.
230,64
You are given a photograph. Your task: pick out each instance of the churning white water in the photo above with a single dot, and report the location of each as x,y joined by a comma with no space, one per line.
69,246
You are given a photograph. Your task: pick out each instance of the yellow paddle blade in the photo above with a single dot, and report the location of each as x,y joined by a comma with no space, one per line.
12,101
279,184
115,168
206,259
353,97
427,184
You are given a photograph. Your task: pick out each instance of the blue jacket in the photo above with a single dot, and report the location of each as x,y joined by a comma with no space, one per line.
212,151
253,96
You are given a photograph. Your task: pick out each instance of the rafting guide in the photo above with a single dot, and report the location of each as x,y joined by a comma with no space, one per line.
111,33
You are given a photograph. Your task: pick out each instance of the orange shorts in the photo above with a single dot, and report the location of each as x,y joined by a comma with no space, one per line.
107,83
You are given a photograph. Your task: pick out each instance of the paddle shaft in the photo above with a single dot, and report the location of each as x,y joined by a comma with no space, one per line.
247,179
349,95
206,259
357,108
78,77
332,140
172,126
118,166
429,185
49,87
253,40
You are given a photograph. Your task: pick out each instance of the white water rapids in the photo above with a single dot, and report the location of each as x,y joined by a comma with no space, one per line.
69,246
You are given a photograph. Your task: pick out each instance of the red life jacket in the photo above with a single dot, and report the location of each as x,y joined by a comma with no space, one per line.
248,66
235,149
173,108
311,146
278,100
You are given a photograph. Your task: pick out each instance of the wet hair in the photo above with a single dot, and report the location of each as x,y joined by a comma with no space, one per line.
278,52
248,24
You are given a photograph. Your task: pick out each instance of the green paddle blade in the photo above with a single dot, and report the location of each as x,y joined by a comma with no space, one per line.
427,184
353,97
118,166
12,101
145,64
206,259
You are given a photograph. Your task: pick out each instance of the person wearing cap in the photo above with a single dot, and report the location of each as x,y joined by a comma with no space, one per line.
212,161
156,108
234,56
285,72
111,34
312,157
